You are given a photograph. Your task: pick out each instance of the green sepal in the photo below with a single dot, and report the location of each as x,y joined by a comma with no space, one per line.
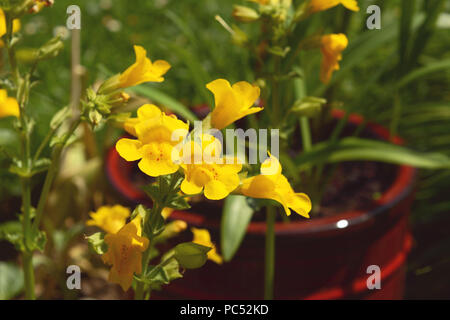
191,255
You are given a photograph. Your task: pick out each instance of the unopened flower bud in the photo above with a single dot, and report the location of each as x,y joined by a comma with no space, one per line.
244,14
51,49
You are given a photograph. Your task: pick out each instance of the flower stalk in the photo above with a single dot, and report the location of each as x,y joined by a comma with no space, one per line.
269,267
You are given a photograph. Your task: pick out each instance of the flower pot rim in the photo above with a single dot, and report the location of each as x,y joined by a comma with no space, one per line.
338,223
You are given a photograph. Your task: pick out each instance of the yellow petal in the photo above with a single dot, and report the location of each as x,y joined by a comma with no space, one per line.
125,253
8,105
110,219
332,46
129,149
321,5
246,93
148,111
232,102
202,237
350,4
160,67
301,204
215,190
189,187
157,159
130,125
143,70
220,89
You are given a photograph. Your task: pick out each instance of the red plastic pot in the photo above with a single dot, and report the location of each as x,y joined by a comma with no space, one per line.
322,258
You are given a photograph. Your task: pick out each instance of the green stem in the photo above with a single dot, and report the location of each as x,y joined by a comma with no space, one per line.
143,293
140,286
51,174
43,144
28,273
22,86
276,94
269,267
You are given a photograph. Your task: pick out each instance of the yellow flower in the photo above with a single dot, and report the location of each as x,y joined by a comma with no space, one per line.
321,5
232,102
217,179
155,142
271,184
110,219
8,105
16,24
143,70
125,253
332,46
202,237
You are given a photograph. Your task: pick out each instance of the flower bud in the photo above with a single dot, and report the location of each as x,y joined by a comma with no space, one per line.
50,49
244,14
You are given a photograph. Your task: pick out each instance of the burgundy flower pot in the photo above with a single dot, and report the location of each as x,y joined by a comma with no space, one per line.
319,258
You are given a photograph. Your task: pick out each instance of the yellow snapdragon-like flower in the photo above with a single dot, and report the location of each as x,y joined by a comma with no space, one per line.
322,5
157,135
217,179
16,24
271,184
232,102
8,105
109,218
143,70
202,237
125,253
332,46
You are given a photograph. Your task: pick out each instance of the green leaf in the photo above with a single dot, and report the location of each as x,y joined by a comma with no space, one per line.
164,99
39,241
178,202
165,272
424,71
11,280
407,14
153,191
357,149
97,242
12,231
236,216
191,255
10,227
